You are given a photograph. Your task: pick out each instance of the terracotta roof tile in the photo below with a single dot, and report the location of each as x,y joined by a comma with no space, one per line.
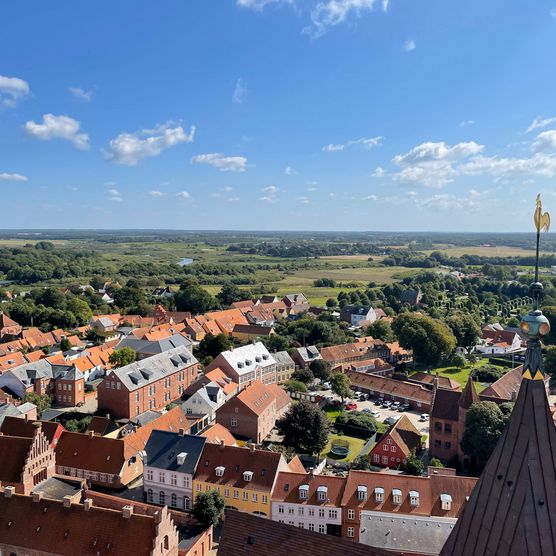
13,453
217,433
287,489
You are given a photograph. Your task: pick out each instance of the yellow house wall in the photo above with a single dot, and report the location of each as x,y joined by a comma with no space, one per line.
242,505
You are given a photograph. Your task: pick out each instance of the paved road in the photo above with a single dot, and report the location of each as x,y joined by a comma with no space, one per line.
414,416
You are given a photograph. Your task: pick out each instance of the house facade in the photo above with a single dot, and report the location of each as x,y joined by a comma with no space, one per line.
150,384
285,366
365,348
355,315
308,501
169,466
304,356
205,401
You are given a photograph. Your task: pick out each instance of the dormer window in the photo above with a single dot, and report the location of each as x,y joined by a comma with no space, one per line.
247,476
397,496
322,493
240,365
265,356
379,494
446,502
413,498
258,359
248,362
220,471
361,492
304,492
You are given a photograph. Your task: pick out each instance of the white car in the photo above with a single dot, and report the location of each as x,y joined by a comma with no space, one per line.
375,414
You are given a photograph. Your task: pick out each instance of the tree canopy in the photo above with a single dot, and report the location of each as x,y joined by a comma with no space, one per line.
305,428
122,357
341,385
209,507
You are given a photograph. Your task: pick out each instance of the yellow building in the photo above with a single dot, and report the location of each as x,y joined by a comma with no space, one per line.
245,477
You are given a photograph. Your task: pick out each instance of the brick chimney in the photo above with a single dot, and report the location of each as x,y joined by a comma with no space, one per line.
222,445
127,512
91,433
182,432
8,491
87,504
37,496
67,501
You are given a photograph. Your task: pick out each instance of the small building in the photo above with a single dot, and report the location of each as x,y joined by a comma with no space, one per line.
355,315
365,348
169,465
9,328
304,356
285,366
251,331
396,445
205,401
246,364
498,342
411,297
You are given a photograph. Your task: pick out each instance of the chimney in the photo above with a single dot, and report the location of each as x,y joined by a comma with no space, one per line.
108,415
37,496
87,504
26,417
182,432
252,447
67,501
91,433
8,491
514,395
127,512
222,445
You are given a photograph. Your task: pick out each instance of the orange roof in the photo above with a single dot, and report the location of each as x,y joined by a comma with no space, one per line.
218,376
296,466
405,435
11,360
280,395
395,348
257,397
217,433
211,327
34,356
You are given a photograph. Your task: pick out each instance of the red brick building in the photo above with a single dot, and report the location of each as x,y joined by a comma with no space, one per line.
25,461
149,384
365,348
23,426
9,329
396,444
60,528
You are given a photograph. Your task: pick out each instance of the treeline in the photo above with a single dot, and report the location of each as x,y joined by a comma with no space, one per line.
299,249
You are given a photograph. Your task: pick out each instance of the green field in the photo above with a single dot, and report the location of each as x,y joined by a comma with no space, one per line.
355,446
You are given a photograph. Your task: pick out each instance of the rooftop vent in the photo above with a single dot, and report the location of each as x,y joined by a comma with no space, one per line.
181,458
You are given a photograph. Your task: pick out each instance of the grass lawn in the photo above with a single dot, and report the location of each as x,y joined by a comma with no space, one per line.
355,446
332,412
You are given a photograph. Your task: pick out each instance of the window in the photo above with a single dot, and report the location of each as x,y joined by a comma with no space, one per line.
161,477
385,447
174,479
220,471
376,458
351,531
303,492
361,492
247,476
351,514
322,492
332,514
255,497
173,500
437,444
149,475
447,444
311,526
301,510
246,496
384,460
392,448
447,428
199,487
311,512
265,499
291,511
233,422
186,482
137,396
321,513
236,494
438,427
413,498
226,492
150,495
322,528
397,496
388,441
446,502
379,494
280,509
186,503
236,409
162,498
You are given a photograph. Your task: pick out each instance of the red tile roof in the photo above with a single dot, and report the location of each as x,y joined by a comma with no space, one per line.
217,433
287,489
13,454
18,426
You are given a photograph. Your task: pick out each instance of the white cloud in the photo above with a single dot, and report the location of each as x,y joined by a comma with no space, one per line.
311,189
545,141
130,148
302,200
385,4
184,195
259,5
289,171
539,123
81,94
539,164
366,142
12,89
115,195
270,194
58,127
156,193
370,198
333,12
409,45
4,176
222,162
379,172
432,164
239,92
465,123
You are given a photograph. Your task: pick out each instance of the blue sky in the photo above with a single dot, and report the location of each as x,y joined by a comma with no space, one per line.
277,114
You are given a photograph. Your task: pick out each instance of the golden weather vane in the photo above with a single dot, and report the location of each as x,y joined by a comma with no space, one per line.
542,224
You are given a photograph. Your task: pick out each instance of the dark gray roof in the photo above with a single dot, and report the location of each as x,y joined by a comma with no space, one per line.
56,488
145,417
51,414
149,347
8,410
138,374
164,447
283,358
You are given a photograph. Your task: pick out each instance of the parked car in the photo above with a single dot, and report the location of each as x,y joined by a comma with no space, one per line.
392,420
395,405
366,410
403,407
326,385
387,403
378,402
424,417
375,413
351,405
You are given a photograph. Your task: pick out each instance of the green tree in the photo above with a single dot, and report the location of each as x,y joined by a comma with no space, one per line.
122,357
129,297
341,385
430,339
230,293
192,297
80,308
295,386
381,330
550,313
305,428
435,462
209,507
362,463
304,375
331,303
65,344
413,465
465,328
321,369
276,342
484,424
459,360
78,425
550,362
42,401
211,346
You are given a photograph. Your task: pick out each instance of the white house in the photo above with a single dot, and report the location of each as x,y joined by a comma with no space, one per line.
495,341
169,462
205,401
309,501
357,314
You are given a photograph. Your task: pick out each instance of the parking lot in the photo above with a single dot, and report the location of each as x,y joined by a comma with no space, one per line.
385,413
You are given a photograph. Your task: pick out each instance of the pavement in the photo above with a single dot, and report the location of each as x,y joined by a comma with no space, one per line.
414,416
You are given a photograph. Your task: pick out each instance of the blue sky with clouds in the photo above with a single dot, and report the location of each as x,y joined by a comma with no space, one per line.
277,114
